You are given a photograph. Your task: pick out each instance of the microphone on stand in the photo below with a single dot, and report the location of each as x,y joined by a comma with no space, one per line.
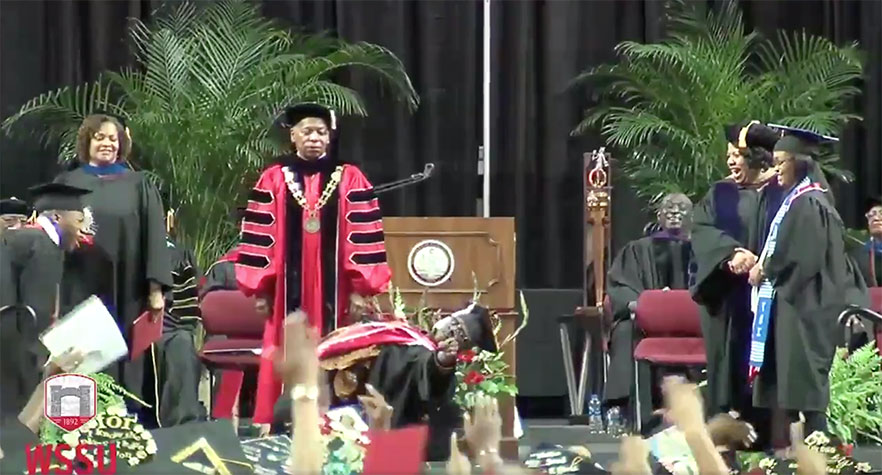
428,169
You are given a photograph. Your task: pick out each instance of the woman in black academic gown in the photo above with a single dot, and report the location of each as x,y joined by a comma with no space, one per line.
128,267
724,242
801,283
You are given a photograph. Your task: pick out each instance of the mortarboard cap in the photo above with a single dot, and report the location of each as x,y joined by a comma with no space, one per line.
752,134
548,458
292,115
475,320
202,445
14,206
873,201
57,196
800,141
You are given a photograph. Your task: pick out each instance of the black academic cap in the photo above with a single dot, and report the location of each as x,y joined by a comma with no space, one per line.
57,196
800,141
203,443
14,206
873,201
752,134
475,319
294,114
733,131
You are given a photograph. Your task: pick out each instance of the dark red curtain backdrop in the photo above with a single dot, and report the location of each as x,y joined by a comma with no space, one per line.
538,46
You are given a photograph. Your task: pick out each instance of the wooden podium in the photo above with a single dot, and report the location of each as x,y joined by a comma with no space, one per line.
447,260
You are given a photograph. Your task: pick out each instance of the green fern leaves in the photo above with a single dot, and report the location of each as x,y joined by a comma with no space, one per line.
664,105
208,82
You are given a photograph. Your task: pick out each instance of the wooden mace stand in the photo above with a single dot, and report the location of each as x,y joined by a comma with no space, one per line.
483,252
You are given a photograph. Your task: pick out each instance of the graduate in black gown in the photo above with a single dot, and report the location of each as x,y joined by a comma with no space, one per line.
801,282
13,213
128,267
724,241
175,363
31,266
869,256
659,261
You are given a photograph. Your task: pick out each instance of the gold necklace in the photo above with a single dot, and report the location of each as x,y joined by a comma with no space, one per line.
313,223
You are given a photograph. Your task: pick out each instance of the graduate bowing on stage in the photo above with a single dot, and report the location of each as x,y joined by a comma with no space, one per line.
311,237
31,267
800,284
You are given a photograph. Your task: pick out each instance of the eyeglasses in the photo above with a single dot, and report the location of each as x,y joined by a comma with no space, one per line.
874,213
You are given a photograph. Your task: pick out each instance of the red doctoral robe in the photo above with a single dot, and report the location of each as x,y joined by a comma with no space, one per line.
264,266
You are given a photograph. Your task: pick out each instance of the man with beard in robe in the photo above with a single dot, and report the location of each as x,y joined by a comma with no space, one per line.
659,261
312,236
869,255
801,282
724,241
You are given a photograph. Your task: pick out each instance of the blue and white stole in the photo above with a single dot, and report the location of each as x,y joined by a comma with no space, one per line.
761,297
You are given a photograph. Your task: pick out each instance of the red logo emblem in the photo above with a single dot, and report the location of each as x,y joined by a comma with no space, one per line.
70,400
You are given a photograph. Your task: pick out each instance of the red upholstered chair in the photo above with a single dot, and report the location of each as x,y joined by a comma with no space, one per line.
669,332
233,332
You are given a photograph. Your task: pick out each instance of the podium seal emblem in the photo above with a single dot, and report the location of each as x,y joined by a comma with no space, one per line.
430,263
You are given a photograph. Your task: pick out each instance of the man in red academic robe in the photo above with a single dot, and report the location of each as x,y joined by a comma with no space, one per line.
312,236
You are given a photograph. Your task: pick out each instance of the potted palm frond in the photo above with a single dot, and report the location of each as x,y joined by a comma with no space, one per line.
663,105
208,80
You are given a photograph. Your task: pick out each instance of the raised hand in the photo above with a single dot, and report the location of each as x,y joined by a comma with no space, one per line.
483,430
298,363
379,412
458,464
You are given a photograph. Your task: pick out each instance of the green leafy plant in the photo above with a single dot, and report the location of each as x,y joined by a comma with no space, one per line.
855,410
209,79
480,372
663,106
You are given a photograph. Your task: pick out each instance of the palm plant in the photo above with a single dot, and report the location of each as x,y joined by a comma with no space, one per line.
664,105
200,103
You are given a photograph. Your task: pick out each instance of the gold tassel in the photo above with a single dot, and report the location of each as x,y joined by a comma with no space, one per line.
169,220
33,218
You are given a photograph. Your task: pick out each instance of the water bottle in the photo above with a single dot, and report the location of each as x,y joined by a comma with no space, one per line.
595,415
614,425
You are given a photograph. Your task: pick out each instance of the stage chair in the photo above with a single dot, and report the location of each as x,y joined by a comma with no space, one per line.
669,331
233,333
872,315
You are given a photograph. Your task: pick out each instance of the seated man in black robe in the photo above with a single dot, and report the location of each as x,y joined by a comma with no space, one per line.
869,256
659,261
31,268
175,364
13,214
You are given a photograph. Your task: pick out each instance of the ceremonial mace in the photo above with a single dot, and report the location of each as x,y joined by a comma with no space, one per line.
596,180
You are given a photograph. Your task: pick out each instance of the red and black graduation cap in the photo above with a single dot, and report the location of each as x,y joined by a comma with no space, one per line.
292,115
752,134
15,207
57,196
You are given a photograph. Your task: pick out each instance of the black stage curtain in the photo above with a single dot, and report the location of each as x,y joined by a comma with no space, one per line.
538,46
